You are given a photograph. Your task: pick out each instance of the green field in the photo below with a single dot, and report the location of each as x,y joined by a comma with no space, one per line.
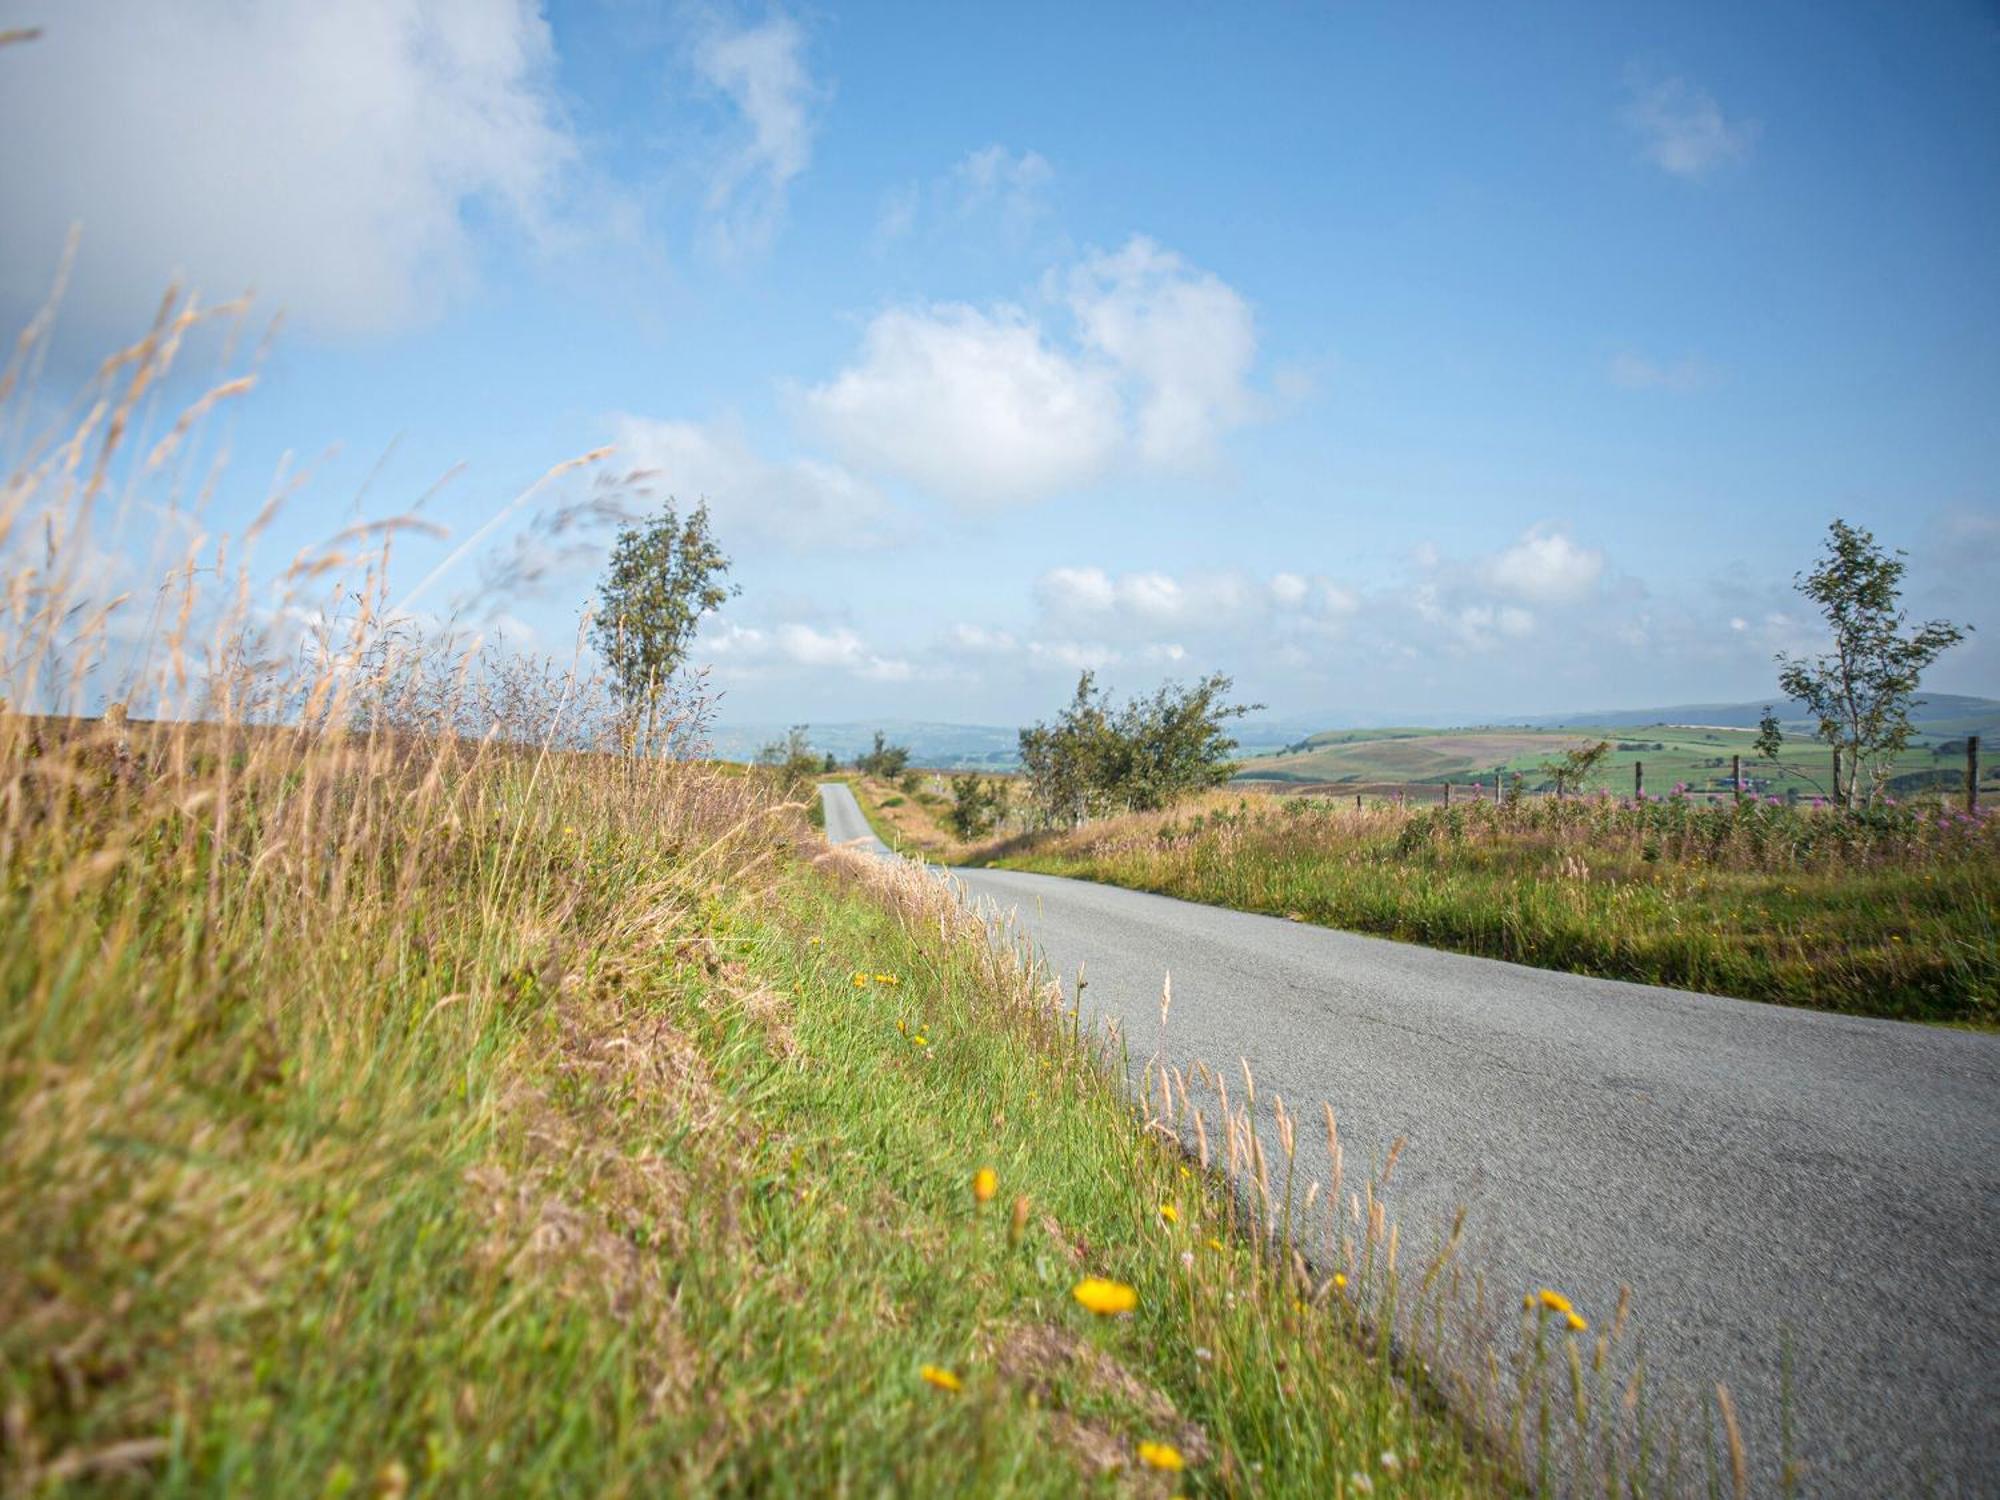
1694,755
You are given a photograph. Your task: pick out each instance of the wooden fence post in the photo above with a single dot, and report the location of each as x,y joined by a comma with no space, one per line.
1837,801
1736,775
1447,794
1357,802
1972,773
1638,781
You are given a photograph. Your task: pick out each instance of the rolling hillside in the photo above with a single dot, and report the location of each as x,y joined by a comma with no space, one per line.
1696,753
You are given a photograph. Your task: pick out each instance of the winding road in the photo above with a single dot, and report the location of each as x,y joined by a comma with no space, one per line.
1761,1177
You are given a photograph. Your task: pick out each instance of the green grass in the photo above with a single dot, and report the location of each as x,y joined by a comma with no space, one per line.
1699,758
1890,915
577,1158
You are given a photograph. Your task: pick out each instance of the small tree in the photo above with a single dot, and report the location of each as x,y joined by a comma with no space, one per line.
793,757
664,575
1573,767
1145,756
977,803
1861,691
885,760
1065,763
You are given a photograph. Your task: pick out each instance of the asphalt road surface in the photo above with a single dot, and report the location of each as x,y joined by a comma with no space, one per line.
1762,1177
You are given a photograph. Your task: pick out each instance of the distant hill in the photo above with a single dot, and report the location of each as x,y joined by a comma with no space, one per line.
1936,713
952,747
1690,743
1283,749
946,746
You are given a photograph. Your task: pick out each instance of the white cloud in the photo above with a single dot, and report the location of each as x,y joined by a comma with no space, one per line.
746,651
1184,337
1289,590
800,502
1636,373
1140,604
326,156
1077,656
1684,129
973,406
987,406
994,176
762,70
1544,567
991,186
979,638
1474,627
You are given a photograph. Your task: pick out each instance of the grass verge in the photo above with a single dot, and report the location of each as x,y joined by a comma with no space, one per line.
504,1120
1891,913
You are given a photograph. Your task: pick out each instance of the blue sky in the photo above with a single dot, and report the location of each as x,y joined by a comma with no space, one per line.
1405,362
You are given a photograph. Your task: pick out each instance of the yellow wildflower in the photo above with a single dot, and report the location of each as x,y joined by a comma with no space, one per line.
1105,1298
985,1183
1553,1301
1339,1280
943,1379
1171,1214
860,980
812,942
1161,1456
921,1041
885,978
1576,1323
1214,1243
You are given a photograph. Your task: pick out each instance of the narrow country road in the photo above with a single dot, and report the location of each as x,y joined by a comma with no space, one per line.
1762,1177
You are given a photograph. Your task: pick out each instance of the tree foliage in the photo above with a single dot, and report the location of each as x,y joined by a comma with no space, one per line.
793,757
1096,759
1860,693
977,804
663,576
885,760
1573,767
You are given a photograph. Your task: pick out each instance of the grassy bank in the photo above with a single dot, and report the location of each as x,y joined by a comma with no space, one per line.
1894,913
388,1115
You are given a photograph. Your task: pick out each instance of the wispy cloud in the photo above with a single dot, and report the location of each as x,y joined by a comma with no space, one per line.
993,188
801,503
762,71
1683,129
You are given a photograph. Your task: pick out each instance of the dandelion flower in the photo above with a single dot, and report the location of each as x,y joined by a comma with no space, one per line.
943,1379
1105,1298
985,1183
1171,1214
860,980
1161,1456
1576,1322
921,1041
1553,1301
1214,1243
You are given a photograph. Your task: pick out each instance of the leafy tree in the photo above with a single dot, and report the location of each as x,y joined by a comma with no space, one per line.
1573,767
1861,691
1148,755
977,803
885,760
1065,763
1175,743
793,757
664,575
